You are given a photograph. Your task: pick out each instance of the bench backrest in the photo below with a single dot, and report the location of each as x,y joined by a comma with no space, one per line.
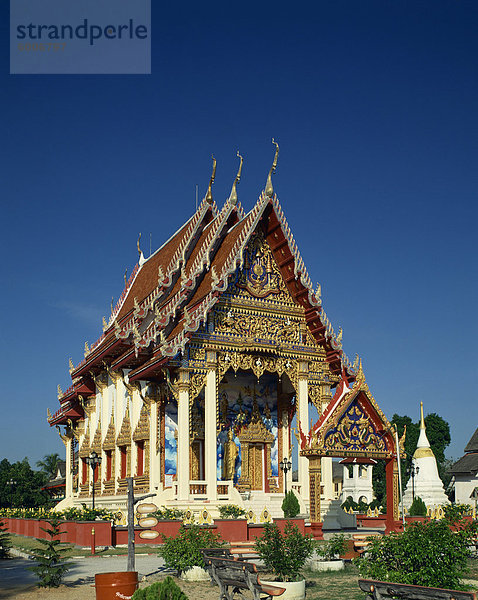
232,572
385,589
217,553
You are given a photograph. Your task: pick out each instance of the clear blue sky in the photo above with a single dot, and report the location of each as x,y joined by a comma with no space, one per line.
375,107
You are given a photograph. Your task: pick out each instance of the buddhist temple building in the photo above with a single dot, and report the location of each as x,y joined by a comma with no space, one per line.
426,482
465,474
218,342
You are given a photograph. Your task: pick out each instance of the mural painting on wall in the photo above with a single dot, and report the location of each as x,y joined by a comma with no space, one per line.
239,397
170,443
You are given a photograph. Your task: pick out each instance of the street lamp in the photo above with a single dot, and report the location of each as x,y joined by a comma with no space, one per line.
11,483
285,466
413,471
93,460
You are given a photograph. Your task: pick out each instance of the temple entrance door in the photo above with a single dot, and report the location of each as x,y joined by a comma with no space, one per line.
256,466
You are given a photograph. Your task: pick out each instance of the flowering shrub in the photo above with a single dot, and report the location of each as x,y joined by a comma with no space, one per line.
69,514
231,511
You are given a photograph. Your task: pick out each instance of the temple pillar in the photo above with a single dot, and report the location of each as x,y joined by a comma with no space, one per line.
182,467
327,477
314,464
210,407
286,449
69,466
154,457
303,423
391,474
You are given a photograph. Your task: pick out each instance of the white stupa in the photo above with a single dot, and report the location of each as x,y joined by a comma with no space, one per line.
427,482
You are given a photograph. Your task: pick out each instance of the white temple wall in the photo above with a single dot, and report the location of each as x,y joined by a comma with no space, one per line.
464,488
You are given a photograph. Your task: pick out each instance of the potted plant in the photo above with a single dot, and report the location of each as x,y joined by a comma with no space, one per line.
285,554
328,554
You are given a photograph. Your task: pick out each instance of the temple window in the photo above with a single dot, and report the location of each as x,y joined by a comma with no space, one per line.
84,471
109,462
123,457
140,457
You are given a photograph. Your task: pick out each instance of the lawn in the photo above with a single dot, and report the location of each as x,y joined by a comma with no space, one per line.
26,544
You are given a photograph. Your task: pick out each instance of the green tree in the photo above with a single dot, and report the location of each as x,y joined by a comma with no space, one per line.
50,556
49,465
20,486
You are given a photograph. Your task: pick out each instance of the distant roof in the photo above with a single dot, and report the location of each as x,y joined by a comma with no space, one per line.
472,445
467,465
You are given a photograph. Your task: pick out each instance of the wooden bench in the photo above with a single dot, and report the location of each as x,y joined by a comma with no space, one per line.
362,542
232,576
381,590
216,553
243,550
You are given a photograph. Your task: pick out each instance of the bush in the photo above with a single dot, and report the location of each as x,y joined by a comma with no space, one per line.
167,589
335,547
183,551
418,508
284,553
290,505
86,514
231,511
426,554
51,563
455,512
5,543
168,514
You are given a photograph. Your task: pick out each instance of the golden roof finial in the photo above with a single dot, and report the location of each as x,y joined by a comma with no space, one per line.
60,391
339,336
422,420
112,302
105,324
137,245
126,277
233,194
211,181
269,188
71,366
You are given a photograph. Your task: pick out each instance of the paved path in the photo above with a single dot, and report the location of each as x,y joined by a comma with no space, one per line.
15,576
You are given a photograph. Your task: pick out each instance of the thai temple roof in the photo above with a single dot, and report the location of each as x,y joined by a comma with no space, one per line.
170,294
468,464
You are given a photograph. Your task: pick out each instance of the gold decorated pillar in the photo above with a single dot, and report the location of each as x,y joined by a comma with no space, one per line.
303,423
314,488
154,455
210,404
183,435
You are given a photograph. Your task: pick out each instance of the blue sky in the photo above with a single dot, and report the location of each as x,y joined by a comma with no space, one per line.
374,105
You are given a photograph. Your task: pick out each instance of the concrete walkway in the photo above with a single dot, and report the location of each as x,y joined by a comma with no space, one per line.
15,576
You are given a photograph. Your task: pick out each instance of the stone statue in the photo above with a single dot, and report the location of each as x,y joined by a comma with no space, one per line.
230,454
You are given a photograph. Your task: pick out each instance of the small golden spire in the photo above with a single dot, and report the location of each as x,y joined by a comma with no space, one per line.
105,324
48,412
160,273
318,293
87,349
126,277
112,302
60,391
339,335
422,420
269,188
70,365
233,194
211,181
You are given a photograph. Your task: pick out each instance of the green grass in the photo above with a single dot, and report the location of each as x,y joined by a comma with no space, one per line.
334,585
26,544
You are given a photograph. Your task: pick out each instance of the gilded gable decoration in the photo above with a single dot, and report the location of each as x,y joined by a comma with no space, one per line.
142,428
96,443
260,275
109,441
84,450
124,436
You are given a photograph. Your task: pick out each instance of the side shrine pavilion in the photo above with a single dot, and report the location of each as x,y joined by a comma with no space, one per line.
217,342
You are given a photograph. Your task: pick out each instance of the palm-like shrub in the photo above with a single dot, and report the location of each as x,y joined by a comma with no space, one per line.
5,543
50,556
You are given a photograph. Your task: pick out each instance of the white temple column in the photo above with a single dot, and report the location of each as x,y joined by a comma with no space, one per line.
303,421
285,446
210,451
327,478
183,436
69,467
154,458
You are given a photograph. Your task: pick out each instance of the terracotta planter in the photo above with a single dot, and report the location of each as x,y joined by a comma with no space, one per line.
111,586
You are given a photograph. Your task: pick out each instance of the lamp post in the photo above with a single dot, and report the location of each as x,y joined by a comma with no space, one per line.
285,466
93,460
413,471
11,483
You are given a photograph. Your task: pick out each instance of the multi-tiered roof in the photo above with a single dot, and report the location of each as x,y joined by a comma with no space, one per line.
170,294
